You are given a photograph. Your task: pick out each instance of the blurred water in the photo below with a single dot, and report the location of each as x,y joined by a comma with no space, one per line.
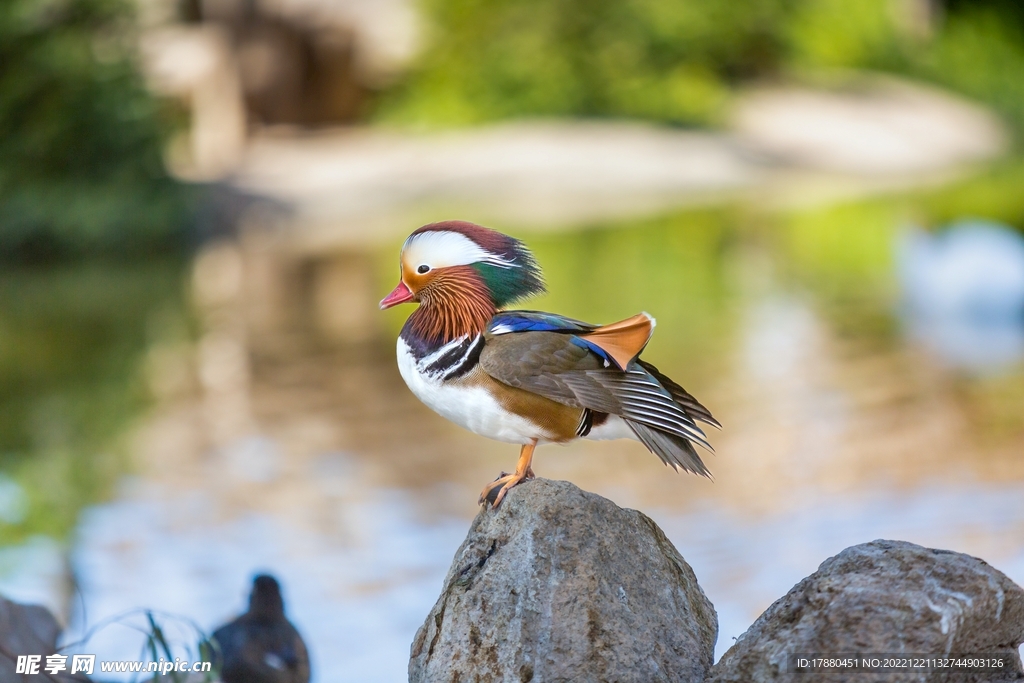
35,572
357,586
282,448
359,600
964,292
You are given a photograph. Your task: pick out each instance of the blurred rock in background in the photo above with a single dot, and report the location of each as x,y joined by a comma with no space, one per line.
246,64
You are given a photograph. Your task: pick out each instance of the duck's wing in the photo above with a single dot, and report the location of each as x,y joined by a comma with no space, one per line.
596,368
618,343
684,398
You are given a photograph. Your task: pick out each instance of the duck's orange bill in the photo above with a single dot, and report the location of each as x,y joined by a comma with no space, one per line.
399,295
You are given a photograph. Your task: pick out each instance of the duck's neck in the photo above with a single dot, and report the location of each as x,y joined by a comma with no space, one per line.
456,306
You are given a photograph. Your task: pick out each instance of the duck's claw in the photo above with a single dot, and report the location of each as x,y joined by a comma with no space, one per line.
495,492
491,490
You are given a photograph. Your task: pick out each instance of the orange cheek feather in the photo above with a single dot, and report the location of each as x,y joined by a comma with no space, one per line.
404,293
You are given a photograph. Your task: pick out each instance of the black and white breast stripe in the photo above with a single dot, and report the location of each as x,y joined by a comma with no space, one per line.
453,360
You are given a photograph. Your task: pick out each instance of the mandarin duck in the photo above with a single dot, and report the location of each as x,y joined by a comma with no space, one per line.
262,646
528,377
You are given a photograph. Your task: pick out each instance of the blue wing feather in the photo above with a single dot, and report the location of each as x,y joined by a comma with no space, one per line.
535,321
510,322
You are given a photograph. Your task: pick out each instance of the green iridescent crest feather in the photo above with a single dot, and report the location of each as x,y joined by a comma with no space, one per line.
509,284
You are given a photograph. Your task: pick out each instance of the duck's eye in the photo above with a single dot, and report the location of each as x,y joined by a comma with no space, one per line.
423,269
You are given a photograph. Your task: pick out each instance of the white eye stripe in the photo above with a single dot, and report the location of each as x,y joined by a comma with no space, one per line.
442,249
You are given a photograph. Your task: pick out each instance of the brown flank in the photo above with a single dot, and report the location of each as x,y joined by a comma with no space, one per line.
556,421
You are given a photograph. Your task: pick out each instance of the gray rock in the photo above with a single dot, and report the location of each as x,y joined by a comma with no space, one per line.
562,585
28,630
886,597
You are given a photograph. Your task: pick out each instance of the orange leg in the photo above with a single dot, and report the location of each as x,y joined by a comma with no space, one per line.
507,481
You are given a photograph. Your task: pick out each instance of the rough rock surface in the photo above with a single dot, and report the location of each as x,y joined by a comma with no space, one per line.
885,597
558,584
28,630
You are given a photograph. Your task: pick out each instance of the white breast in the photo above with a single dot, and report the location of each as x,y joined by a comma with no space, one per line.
470,407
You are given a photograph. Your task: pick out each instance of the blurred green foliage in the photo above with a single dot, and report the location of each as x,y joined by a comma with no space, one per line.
844,251
981,54
675,266
80,138
679,61
71,339
842,34
993,194
669,61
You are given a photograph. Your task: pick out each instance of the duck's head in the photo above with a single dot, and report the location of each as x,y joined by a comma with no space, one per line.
455,262
265,599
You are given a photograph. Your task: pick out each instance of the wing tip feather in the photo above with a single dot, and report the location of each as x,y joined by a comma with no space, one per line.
674,451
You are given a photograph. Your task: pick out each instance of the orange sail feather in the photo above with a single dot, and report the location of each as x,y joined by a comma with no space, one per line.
624,340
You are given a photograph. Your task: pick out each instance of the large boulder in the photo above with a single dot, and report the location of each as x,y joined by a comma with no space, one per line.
558,584
886,597
28,630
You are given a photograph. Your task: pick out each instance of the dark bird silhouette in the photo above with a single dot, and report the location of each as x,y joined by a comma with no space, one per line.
262,646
